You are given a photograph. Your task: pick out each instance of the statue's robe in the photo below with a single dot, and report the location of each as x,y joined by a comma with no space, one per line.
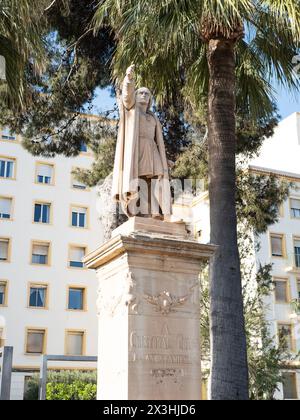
125,188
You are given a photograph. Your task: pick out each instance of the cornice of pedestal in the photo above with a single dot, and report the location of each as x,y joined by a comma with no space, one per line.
147,243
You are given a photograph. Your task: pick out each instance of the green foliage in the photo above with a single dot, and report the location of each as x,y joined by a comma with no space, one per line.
265,358
75,64
65,385
20,44
172,45
259,198
70,392
104,152
32,389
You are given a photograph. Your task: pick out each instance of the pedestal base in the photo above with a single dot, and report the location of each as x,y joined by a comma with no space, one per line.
149,314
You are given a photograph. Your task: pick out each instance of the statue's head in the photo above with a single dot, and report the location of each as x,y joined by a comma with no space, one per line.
144,97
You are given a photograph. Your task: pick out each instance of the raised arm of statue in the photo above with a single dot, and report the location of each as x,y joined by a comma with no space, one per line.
128,90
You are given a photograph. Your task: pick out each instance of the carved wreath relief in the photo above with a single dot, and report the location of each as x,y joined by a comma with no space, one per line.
166,303
126,297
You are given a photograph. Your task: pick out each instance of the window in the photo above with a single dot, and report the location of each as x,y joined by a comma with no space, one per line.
7,168
44,173
289,386
5,208
298,286
281,290
74,343
7,134
42,213
285,331
77,184
277,245
76,256
76,299
38,296
83,147
79,217
35,343
3,293
295,207
297,252
40,253
4,249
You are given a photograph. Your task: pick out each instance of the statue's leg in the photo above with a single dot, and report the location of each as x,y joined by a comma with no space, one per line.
155,199
144,202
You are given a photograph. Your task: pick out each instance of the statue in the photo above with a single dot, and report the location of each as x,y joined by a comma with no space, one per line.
141,172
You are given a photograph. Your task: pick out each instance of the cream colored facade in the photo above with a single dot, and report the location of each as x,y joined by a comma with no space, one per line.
279,156
45,182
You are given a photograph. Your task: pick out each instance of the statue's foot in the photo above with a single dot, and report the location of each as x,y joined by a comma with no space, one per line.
157,217
173,219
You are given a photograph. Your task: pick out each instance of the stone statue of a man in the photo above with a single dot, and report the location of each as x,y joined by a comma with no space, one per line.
141,174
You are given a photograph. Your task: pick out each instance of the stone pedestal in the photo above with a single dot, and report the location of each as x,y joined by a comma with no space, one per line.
149,309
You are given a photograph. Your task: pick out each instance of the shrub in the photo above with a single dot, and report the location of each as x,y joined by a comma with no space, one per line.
65,385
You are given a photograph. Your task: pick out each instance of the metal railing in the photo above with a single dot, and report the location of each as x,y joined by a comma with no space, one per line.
56,358
6,360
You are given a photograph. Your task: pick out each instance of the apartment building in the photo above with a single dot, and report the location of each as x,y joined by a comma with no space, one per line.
48,222
280,246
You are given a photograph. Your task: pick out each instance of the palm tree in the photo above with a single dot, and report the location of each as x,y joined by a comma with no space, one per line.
228,51
21,44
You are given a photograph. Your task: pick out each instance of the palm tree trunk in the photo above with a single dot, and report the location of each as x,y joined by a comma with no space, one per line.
229,376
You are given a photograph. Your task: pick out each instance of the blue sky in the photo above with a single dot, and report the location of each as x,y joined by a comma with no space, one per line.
287,103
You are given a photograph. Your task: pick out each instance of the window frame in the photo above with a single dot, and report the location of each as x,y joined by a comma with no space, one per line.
296,239
69,256
293,197
292,340
43,203
52,183
74,332
5,284
11,141
36,329
14,177
285,280
84,298
36,285
11,219
9,249
87,216
42,243
283,245
72,181
294,374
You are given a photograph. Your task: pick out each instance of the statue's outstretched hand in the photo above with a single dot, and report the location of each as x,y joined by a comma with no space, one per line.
130,72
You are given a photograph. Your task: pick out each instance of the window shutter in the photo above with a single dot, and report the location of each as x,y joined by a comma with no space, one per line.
5,205
295,204
77,254
75,344
40,250
276,245
3,249
45,170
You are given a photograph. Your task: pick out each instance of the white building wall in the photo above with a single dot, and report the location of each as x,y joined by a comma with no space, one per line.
19,272
279,155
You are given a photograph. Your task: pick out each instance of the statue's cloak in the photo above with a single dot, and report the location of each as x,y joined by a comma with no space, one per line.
125,177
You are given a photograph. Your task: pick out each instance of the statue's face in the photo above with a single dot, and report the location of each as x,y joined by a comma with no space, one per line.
143,96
